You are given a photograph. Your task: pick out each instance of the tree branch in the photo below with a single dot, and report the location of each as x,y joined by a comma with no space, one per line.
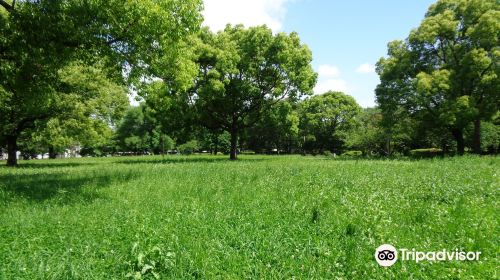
7,6
123,32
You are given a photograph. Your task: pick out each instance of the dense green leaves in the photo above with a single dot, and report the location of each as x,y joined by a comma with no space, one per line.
325,120
39,38
140,132
447,71
243,73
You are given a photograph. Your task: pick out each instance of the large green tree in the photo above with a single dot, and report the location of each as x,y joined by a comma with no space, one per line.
368,135
277,129
140,132
447,71
88,105
244,72
325,120
38,38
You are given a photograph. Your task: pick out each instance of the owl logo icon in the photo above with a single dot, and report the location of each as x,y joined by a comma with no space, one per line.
386,255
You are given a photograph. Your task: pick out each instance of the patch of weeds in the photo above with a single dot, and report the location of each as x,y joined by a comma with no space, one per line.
151,263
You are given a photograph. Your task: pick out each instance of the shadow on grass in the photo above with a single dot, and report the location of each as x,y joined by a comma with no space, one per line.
377,159
177,160
60,188
49,164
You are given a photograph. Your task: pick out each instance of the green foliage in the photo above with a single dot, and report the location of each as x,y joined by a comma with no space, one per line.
88,105
446,74
215,142
206,217
328,154
368,133
140,132
244,72
150,263
352,154
326,119
189,147
426,153
490,137
167,143
278,128
135,36
173,111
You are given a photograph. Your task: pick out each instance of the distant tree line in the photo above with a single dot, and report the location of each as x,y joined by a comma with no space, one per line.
237,90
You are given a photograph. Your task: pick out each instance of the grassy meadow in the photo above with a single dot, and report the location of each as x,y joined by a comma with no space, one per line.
262,217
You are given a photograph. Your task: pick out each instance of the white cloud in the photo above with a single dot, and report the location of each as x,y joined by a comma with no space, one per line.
366,68
329,79
328,71
330,84
218,13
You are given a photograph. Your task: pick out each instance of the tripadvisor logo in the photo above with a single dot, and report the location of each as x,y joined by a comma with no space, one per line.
387,255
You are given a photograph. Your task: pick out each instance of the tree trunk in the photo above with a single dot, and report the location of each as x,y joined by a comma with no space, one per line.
304,146
444,147
387,145
459,137
477,136
12,150
52,153
216,147
234,141
162,146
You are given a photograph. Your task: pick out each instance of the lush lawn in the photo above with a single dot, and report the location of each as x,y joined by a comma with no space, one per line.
260,217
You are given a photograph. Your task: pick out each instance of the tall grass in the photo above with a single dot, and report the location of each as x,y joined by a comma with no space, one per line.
259,217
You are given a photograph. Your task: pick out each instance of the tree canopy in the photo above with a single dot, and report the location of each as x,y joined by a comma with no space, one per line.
326,118
38,38
243,73
66,68
446,72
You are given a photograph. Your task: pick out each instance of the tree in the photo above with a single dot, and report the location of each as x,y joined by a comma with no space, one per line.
243,73
325,119
189,147
88,105
367,135
38,38
139,132
446,73
490,137
172,110
167,143
213,141
277,129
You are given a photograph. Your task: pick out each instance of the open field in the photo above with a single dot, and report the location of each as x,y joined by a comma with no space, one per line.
260,217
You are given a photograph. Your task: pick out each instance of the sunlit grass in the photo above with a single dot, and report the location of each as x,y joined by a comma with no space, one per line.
259,217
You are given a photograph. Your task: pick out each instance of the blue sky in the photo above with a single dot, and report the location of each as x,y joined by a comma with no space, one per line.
346,37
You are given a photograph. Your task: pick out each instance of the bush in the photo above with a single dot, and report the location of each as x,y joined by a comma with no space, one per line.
426,153
247,152
352,154
189,148
328,154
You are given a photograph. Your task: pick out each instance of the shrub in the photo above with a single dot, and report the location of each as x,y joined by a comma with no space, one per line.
189,147
352,154
426,153
328,154
247,152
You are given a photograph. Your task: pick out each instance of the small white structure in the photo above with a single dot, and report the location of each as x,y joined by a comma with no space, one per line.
71,152
5,156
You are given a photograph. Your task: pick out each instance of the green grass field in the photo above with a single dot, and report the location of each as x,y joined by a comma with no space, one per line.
261,217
